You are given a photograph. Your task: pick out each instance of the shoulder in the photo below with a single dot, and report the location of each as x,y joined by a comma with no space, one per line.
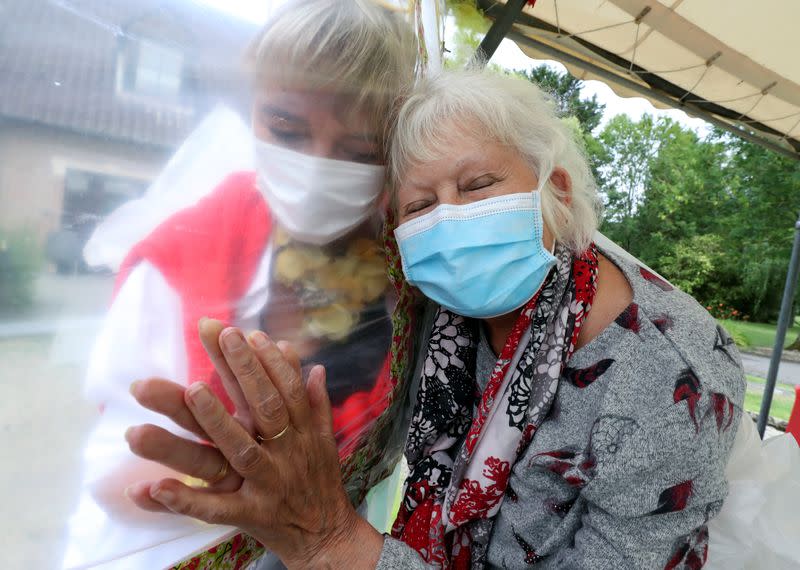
229,204
668,353
233,212
613,295
235,193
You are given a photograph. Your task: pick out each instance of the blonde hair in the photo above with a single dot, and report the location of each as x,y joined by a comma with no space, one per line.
490,106
353,47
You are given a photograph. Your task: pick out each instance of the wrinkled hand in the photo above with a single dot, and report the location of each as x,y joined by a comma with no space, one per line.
286,491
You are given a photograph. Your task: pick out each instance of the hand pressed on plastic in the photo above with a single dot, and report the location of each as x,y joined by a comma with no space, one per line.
291,497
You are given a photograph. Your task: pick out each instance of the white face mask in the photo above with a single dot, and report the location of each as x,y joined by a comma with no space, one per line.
316,200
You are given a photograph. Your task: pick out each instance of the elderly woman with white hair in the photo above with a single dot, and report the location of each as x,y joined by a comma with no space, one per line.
568,407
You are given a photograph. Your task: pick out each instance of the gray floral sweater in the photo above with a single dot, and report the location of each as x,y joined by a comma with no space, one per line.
628,468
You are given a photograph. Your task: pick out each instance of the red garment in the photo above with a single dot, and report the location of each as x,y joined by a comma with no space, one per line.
209,255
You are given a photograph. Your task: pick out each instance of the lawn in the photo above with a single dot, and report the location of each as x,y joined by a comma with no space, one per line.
782,400
757,334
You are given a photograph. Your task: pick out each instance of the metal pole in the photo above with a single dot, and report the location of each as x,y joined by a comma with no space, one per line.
498,31
780,333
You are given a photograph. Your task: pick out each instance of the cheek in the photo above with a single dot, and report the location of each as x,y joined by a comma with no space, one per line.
261,132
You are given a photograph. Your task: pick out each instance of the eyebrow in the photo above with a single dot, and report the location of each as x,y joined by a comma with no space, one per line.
467,161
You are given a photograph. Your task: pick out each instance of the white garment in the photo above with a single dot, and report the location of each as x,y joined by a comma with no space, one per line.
142,337
222,143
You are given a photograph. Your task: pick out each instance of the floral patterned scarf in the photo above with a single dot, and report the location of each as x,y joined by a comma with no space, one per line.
462,444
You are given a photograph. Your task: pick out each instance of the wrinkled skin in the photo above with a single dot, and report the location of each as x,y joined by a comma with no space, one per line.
286,492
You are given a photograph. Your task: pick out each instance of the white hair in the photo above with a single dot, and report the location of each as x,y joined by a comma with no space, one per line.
356,47
490,106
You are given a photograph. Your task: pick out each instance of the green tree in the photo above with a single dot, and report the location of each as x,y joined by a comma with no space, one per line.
630,147
766,190
715,214
566,90
587,112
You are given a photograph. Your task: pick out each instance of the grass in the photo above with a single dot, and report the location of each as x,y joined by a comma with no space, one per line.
782,400
760,335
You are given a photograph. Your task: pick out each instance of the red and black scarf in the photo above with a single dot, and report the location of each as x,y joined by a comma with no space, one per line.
462,444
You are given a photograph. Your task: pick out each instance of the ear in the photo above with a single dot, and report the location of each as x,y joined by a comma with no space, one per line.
383,200
561,179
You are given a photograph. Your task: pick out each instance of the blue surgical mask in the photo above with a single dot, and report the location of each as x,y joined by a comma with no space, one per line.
479,260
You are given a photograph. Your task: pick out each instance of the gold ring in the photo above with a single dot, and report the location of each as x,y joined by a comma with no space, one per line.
261,439
223,471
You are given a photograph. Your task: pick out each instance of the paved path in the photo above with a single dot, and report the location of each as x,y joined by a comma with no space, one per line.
788,372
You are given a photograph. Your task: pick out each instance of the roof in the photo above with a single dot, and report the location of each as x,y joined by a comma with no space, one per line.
728,61
59,65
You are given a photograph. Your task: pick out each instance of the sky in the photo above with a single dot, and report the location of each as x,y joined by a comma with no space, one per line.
509,56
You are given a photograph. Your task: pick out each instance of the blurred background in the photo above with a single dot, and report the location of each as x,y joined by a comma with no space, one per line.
95,96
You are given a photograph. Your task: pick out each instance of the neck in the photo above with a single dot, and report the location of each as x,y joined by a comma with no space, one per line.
498,329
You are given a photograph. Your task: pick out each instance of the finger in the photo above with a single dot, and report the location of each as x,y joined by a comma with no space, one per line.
213,508
267,407
210,331
321,410
139,493
184,456
166,398
288,382
244,454
291,356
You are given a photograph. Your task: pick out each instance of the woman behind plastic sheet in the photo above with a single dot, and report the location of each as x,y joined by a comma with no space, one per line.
291,248
571,409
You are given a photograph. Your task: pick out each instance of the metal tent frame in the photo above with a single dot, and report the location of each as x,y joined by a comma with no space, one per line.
658,89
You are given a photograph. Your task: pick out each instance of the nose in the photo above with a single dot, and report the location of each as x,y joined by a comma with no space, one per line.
451,196
322,145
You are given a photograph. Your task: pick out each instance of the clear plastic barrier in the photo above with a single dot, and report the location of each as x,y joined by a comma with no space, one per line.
163,161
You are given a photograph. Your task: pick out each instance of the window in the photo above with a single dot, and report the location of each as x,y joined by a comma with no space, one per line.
88,198
150,69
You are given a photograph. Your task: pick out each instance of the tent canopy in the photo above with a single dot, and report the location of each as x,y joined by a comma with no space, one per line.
731,62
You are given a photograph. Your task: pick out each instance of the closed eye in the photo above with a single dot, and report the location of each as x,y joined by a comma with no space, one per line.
287,137
480,183
416,207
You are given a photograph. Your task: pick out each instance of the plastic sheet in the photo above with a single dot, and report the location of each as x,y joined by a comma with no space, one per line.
131,205
757,526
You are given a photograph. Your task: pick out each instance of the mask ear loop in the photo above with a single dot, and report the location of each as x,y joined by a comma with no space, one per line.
540,189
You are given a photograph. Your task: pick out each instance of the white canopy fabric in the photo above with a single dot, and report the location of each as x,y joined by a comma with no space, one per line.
734,62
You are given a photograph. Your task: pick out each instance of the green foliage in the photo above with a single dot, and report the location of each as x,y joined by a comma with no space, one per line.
690,264
715,214
630,149
566,91
583,115
20,260
471,26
